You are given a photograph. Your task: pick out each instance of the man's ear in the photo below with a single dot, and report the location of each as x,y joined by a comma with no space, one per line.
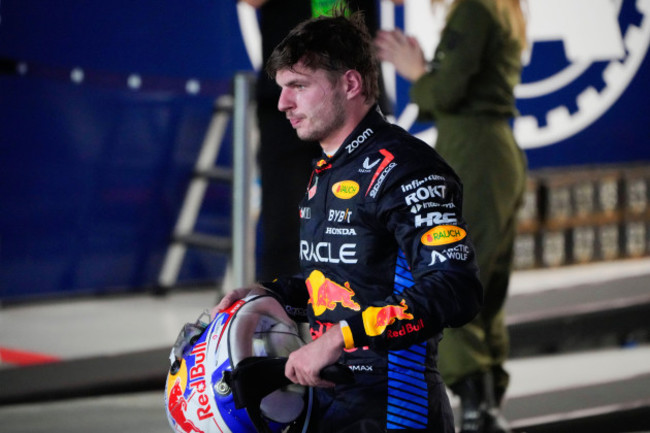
353,83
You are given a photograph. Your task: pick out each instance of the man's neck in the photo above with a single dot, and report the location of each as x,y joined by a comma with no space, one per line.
332,143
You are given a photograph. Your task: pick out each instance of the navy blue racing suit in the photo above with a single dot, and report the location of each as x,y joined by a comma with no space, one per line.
385,252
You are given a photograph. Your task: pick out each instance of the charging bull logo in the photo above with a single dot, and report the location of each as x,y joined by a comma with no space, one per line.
325,294
377,319
177,406
188,393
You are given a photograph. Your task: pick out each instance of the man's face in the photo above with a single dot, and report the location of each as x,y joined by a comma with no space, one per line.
313,104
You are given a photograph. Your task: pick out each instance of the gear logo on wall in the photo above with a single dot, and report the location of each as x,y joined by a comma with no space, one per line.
582,56
604,44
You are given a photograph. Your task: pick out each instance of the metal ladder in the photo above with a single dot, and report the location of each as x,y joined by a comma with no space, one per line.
241,245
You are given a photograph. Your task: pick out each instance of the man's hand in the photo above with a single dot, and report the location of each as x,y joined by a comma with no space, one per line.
235,295
304,365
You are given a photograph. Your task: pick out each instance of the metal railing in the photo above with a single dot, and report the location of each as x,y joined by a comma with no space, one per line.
240,246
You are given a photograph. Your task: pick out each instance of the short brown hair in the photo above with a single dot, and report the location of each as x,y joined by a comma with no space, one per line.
335,44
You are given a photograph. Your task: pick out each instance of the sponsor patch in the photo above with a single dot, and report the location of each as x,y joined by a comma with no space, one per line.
382,171
342,231
381,178
345,189
442,235
325,252
377,319
361,368
367,165
426,193
435,218
437,257
406,329
339,216
431,205
351,147
416,183
311,192
305,213
295,311
458,253
325,294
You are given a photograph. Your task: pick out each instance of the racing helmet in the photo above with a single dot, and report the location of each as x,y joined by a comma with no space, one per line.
227,375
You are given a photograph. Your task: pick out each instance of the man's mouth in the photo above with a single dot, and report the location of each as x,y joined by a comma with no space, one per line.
295,121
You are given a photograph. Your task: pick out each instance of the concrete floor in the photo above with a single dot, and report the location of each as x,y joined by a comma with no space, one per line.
74,329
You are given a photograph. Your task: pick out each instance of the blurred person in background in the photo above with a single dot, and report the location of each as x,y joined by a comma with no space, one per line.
284,159
468,90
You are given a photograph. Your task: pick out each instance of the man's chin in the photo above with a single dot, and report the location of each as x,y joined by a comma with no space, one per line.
305,136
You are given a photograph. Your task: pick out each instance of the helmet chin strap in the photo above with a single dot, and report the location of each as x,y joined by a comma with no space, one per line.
256,377
253,379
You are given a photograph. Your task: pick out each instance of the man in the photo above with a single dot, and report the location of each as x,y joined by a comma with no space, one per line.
385,256
284,160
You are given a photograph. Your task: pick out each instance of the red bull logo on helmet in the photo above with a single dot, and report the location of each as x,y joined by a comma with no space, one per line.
177,405
325,294
188,391
176,401
377,319
179,394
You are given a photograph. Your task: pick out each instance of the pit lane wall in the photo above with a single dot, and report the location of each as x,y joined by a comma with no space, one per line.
105,105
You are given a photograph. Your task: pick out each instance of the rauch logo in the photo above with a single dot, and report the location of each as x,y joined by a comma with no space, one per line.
345,189
442,235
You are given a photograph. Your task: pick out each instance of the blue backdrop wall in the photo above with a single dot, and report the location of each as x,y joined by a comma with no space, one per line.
104,105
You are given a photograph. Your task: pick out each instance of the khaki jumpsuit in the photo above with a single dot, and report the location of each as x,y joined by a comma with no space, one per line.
469,95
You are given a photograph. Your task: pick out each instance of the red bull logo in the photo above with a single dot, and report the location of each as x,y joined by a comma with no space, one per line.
177,405
442,235
376,319
183,408
176,401
345,189
325,294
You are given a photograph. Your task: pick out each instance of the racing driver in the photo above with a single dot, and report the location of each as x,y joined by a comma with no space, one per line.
386,257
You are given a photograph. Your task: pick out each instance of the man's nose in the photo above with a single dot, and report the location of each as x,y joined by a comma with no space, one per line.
285,102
